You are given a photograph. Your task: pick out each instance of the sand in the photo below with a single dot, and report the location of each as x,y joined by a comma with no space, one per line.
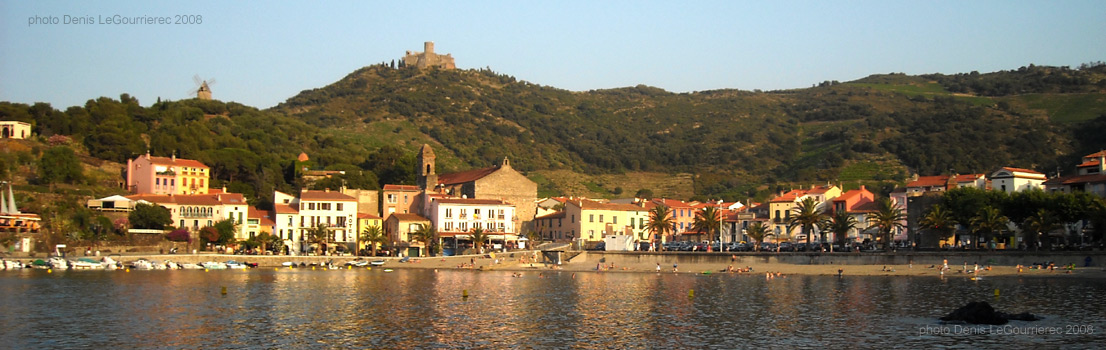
485,263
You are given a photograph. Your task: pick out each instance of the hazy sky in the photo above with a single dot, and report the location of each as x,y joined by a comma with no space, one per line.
261,53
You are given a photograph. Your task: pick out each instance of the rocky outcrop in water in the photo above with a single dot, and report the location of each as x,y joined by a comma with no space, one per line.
980,312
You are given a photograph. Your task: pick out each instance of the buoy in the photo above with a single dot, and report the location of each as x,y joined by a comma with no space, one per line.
312,267
348,267
368,268
996,292
205,270
276,269
224,291
49,270
128,269
465,293
691,293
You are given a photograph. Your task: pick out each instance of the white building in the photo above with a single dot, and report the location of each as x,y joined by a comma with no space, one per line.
1012,180
197,211
334,210
454,218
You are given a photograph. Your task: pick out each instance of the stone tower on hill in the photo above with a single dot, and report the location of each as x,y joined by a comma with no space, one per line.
428,58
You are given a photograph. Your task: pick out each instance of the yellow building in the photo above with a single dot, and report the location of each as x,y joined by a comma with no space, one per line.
365,221
591,221
162,175
781,208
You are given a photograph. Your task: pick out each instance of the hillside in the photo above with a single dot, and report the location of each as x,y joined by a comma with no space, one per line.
606,143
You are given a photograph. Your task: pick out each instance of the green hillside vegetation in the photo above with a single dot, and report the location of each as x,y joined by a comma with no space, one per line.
609,143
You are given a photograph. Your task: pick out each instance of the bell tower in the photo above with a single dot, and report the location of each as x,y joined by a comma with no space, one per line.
427,177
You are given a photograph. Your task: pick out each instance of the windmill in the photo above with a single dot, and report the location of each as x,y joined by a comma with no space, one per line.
203,87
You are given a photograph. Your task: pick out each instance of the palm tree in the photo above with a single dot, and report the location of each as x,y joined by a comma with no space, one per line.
989,221
758,232
940,220
840,224
660,222
1040,223
707,220
534,237
807,215
372,236
478,237
428,236
886,219
318,235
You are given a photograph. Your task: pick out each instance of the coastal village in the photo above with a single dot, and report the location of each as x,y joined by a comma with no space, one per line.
496,208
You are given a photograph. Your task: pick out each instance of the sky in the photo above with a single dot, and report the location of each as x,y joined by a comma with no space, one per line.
262,53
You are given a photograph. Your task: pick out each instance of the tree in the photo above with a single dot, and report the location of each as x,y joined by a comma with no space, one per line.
708,220
988,222
758,232
660,222
886,219
644,193
429,238
1040,223
840,223
226,229
939,220
478,237
534,237
372,236
807,215
60,164
150,216
318,235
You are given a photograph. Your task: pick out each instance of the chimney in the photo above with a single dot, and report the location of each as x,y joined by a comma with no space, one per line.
862,187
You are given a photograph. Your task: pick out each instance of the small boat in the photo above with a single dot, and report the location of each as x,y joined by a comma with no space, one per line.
172,265
234,265
214,265
109,263
142,264
191,266
86,264
377,263
12,265
40,264
58,263
357,263
288,264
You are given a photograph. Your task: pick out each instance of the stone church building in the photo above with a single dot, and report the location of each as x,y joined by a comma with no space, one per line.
498,182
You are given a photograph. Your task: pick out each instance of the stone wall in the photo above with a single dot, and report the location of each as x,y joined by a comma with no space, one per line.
512,187
1005,258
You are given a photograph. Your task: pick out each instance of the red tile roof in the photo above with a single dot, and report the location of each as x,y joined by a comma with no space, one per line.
408,217
869,207
401,188
264,217
465,176
1077,179
285,209
593,205
1020,170
556,215
820,190
192,199
671,203
473,201
177,162
325,196
968,177
929,181
1096,154
367,216
1093,163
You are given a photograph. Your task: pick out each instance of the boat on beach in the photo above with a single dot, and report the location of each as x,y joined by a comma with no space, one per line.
234,265
142,264
214,265
12,265
86,264
58,263
377,262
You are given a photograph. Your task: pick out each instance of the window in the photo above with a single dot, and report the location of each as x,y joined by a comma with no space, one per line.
591,217
310,206
600,217
201,182
502,227
404,199
392,198
477,225
448,213
591,234
339,206
464,213
448,226
476,211
573,217
464,226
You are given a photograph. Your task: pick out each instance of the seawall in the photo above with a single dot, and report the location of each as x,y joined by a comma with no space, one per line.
1098,258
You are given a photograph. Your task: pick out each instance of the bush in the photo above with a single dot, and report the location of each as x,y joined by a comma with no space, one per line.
179,235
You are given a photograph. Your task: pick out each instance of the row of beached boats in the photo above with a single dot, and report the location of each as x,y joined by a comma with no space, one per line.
109,263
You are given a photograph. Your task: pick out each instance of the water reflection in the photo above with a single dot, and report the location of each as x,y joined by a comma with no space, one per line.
297,309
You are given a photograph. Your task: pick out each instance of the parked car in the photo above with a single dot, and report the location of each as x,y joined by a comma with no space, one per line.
786,247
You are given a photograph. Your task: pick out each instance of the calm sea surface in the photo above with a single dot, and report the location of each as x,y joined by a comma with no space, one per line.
305,309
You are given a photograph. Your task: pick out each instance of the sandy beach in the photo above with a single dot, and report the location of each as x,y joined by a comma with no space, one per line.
522,264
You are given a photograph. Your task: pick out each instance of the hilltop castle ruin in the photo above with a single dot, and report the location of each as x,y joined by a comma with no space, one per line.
428,58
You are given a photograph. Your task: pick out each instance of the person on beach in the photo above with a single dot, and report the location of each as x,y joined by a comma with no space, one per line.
946,265
673,267
658,267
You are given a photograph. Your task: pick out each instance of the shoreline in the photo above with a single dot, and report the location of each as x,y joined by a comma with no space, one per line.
685,264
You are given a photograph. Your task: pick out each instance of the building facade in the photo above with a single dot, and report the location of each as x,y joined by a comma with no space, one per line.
160,175
334,211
